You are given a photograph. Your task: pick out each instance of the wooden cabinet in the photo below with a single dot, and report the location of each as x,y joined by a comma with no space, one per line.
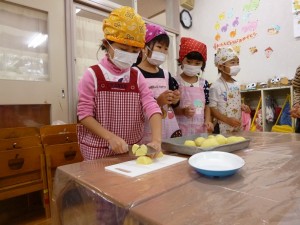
279,94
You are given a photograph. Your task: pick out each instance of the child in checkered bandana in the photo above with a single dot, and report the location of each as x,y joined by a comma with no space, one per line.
113,97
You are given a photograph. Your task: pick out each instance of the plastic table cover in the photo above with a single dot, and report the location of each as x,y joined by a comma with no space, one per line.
265,191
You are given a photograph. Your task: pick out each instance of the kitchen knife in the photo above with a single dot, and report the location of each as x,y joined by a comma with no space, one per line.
150,151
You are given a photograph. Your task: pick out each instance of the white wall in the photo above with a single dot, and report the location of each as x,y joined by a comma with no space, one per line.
255,68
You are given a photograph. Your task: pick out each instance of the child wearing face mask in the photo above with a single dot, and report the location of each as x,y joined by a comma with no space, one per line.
225,96
113,97
193,111
161,83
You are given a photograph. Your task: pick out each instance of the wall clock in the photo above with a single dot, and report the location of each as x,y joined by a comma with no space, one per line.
185,19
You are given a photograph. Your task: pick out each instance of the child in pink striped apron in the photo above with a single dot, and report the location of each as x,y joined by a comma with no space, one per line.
161,83
225,96
113,99
193,111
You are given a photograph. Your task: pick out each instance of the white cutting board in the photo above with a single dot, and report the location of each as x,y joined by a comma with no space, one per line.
132,169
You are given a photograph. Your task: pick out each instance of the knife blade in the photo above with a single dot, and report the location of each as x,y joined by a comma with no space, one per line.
150,151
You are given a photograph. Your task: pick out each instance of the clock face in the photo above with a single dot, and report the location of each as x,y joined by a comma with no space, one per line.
186,19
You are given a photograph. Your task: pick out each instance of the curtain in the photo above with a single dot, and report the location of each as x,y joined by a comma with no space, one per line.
18,26
89,37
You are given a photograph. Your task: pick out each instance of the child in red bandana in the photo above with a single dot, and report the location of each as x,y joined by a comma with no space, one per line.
193,111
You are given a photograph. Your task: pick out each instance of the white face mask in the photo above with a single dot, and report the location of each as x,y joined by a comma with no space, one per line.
122,59
234,70
157,58
190,70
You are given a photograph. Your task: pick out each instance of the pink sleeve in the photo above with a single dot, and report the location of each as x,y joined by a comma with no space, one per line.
150,105
86,96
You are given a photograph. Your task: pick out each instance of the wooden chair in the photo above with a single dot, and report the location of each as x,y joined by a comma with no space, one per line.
18,143
17,132
59,155
22,171
57,129
53,139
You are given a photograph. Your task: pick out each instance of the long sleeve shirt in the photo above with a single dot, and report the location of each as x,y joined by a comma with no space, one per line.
296,86
87,90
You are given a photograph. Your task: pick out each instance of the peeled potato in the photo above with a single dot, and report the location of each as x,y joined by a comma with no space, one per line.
221,139
210,142
233,139
134,148
160,154
144,160
211,136
199,141
142,150
189,143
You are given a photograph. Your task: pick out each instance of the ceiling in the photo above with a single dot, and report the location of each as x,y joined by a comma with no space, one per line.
146,8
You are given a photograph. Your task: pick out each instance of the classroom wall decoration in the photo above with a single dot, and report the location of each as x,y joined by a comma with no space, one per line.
266,33
234,27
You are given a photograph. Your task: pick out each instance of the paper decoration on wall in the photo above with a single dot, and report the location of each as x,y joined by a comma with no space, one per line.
296,18
251,6
224,28
232,34
246,16
237,49
268,52
217,26
235,22
253,50
233,29
274,29
217,37
250,26
296,6
222,16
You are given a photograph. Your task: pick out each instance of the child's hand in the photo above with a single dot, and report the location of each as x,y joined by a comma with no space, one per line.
246,108
176,97
295,111
157,146
165,98
209,126
233,122
117,144
189,111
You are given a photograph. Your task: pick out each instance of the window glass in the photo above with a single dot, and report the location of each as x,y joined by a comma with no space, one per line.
23,43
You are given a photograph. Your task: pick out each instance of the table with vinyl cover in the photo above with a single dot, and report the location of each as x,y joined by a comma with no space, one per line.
265,191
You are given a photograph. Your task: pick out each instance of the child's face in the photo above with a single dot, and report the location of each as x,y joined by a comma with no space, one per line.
192,62
122,47
159,47
226,66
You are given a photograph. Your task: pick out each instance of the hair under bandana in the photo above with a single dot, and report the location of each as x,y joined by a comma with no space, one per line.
224,54
152,31
188,45
125,26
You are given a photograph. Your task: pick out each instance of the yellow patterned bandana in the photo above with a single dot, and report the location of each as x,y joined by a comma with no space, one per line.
125,26
224,54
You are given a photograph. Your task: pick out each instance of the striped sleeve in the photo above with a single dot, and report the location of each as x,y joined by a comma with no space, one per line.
296,86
